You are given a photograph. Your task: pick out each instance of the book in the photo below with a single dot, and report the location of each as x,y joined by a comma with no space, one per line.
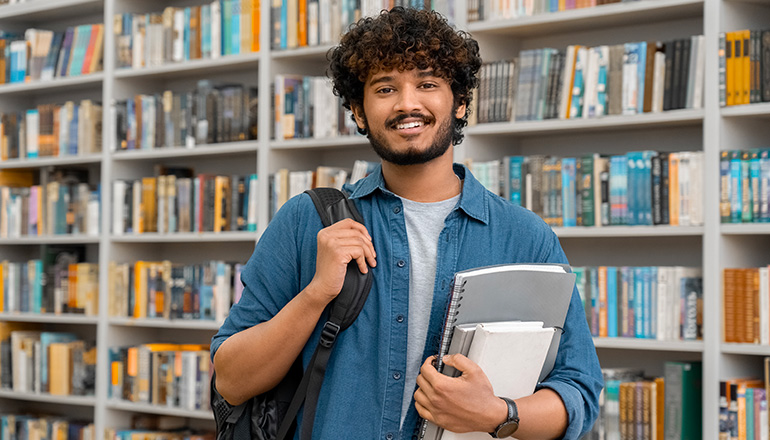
511,354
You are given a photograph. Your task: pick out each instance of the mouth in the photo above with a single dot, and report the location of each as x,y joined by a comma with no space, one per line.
409,125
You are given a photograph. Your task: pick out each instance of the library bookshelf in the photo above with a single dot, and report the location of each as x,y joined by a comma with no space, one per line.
711,129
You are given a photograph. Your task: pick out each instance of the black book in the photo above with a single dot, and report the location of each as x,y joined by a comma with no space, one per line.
668,82
765,66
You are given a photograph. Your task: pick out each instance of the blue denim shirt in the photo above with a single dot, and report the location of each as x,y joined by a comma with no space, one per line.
364,385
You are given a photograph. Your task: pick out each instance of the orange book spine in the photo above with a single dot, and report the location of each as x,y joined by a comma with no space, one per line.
255,24
738,68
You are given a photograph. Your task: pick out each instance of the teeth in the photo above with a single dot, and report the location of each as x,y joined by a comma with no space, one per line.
409,125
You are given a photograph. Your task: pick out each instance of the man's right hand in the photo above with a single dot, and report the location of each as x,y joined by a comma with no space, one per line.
338,245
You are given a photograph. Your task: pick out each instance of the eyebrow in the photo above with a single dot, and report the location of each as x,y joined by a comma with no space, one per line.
387,78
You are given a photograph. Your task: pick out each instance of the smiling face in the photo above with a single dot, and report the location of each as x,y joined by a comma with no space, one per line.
408,115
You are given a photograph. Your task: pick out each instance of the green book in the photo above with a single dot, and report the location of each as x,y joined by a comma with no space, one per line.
683,416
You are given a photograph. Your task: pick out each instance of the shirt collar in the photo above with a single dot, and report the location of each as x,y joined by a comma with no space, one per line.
473,200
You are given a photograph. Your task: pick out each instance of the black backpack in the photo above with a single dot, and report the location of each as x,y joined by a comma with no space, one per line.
272,415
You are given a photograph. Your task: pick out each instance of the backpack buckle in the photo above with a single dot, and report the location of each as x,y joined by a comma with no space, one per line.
329,334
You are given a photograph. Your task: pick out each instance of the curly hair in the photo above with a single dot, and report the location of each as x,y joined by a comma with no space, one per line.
406,39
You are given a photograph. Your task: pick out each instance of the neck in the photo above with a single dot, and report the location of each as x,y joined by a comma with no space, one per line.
433,181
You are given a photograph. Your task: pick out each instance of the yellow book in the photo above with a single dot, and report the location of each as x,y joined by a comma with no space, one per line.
140,289
60,374
673,189
149,204
255,25
97,56
17,178
738,68
746,61
245,26
603,311
3,267
730,68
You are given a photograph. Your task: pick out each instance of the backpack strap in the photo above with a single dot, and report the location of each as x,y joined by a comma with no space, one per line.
332,206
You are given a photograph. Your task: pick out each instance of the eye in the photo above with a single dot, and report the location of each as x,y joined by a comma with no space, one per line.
429,85
384,90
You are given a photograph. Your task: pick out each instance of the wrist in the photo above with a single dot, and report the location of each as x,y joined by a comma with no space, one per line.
498,415
314,297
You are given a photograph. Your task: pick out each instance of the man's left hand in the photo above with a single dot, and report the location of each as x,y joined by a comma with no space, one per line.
460,404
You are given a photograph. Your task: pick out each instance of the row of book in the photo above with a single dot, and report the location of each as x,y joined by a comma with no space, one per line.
44,362
171,203
743,409
744,61
28,427
285,184
162,289
746,305
40,54
52,130
590,82
211,113
66,204
635,406
302,23
207,31
744,179
488,10
145,434
636,188
62,286
169,375
657,302
306,107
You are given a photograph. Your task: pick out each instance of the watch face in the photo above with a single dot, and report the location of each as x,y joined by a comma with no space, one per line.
507,430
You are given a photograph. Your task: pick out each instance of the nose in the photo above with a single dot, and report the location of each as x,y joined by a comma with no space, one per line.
408,100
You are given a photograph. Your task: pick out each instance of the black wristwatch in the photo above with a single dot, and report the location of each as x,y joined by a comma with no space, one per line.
511,424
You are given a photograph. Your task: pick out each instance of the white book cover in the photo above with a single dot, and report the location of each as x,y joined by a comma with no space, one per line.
33,131
691,63
118,196
591,78
216,30
511,354
565,94
664,324
659,79
697,101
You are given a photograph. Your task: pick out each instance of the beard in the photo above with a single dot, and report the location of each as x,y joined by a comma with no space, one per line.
412,155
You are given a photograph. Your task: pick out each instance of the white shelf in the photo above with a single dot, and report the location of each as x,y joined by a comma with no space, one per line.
317,53
48,398
45,10
745,228
191,324
333,142
51,161
649,344
746,349
69,83
223,148
192,67
48,318
610,15
51,239
187,237
670,118
748,110
160,410
628,231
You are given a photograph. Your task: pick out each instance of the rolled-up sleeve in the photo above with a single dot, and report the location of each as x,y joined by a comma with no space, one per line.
576,375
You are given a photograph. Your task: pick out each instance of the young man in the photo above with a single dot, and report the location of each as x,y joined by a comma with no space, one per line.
407,76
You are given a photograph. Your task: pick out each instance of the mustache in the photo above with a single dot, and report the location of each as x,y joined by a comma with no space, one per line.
391,123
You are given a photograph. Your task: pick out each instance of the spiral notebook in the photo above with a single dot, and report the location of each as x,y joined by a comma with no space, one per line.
508,292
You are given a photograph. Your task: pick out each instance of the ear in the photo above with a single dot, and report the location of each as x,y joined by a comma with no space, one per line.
460,112
358,114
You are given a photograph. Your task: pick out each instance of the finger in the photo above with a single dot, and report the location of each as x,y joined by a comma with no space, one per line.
349,223
460,363
424,386
424,412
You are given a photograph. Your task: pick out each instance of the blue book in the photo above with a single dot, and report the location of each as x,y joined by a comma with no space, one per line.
578,85
764,185
206,31
66,51
284,20
632,159
646,186
601,94
736,195
235,27
724,186
80,46
749,413
593,279
746,209
754,178
641,68
73,132
186,35
569,191
37,286
612,301
653,302
638,302
516,170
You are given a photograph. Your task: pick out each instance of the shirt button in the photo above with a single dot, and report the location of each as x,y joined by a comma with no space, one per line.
396,375
397,210
400,318
389,436
401,263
